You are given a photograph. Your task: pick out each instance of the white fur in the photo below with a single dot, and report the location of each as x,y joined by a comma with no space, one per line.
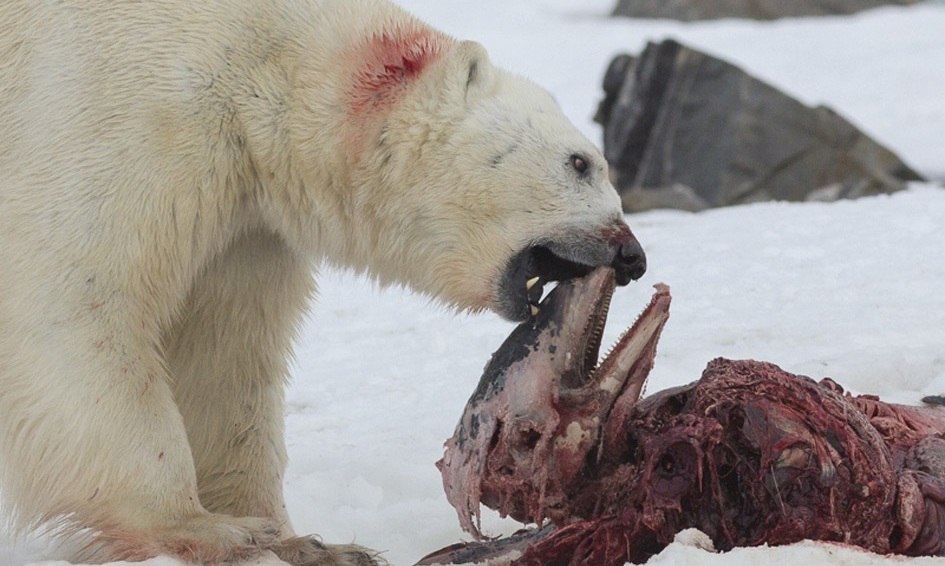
170,172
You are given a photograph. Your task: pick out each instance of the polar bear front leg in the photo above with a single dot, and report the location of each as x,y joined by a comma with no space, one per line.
92,439
228,354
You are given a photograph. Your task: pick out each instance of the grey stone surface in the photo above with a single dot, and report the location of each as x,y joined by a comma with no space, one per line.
687,130
690,10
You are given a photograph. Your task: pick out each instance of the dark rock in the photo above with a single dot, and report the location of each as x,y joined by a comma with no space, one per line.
683,129
689,10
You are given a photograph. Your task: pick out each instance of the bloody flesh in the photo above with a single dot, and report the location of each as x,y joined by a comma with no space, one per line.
749,454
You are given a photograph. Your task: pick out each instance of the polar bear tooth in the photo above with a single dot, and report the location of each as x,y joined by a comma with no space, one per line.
531,283
534,310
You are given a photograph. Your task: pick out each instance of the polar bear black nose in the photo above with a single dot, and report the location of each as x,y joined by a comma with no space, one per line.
629,262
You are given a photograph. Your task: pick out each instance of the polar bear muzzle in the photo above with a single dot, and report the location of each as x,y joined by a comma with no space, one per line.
563,258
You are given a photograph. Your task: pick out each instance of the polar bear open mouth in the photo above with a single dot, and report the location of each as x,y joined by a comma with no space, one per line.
522,284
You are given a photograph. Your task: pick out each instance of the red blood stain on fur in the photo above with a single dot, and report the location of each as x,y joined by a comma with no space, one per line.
384,68
617,234
148,382
119,543
388,63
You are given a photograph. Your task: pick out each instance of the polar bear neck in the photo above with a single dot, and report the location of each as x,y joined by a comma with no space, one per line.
341,73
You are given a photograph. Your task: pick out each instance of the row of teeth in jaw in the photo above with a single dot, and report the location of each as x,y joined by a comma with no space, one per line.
596,336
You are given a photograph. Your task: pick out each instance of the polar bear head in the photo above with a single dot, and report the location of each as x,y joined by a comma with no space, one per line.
467,182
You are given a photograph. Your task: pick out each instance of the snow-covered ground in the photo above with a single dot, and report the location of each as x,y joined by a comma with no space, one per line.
854,290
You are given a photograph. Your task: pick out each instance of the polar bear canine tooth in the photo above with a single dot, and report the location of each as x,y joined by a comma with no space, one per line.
534,289
534,309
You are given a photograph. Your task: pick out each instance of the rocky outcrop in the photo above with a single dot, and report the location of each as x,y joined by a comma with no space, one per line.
690,10
683,129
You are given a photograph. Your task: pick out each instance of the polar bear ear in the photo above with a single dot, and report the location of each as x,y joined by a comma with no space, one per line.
472,70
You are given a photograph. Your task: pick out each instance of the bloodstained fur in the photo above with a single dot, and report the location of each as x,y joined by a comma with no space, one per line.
389,62
386,65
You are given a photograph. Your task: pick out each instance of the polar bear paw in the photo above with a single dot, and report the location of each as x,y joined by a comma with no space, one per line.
204,539
309,551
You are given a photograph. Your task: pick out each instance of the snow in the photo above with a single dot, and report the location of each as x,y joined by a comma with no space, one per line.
852,290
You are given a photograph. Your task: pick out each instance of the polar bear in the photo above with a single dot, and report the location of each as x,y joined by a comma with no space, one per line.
172,171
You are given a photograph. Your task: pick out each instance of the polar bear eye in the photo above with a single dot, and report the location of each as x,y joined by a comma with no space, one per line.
579,164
